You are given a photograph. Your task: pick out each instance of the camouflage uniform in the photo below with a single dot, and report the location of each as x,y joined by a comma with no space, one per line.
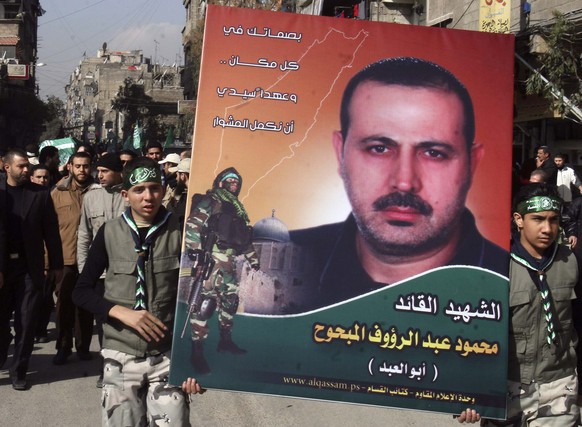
166,405
547,404
221,285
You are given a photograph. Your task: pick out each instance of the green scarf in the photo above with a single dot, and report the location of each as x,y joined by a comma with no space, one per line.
142,247
227,196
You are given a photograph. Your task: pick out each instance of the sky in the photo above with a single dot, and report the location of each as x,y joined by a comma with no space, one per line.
71,28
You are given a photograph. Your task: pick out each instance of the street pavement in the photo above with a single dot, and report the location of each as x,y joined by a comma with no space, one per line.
66,396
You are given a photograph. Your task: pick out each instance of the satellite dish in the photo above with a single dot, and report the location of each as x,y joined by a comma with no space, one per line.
104,46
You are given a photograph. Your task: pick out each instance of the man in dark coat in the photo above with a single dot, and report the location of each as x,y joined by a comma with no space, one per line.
29,210
545,163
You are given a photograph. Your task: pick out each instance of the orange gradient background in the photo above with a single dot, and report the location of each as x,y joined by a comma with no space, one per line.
296,174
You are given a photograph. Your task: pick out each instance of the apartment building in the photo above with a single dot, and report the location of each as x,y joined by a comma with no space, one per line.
96,81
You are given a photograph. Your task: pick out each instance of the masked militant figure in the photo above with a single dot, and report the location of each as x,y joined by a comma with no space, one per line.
218,230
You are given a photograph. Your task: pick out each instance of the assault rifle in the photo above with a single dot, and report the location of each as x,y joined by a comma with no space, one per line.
201,268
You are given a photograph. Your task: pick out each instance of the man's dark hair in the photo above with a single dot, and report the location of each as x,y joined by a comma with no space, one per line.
154,145
38,167
532,190
543,177
561,156
80,155
32,148
139,162
127,152
545,149
47,153
88,148
14,152
101,148
412,72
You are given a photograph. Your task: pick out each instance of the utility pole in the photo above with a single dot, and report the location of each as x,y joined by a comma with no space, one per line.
156,51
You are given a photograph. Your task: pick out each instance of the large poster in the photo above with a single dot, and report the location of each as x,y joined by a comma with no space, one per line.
373,162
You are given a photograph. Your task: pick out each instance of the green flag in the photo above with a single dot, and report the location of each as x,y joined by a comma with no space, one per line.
66,147
137,137
169,137
128,144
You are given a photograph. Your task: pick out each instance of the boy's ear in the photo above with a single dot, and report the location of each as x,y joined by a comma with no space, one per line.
518,219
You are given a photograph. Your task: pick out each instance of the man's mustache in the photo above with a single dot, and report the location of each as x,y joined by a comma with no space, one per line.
406,200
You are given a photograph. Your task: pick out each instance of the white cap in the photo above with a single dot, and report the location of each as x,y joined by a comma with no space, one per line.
171,158
183,166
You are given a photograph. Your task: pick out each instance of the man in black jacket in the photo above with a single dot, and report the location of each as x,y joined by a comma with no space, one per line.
407,154
29,210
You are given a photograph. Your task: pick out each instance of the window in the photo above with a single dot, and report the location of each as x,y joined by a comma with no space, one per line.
10,51
443,24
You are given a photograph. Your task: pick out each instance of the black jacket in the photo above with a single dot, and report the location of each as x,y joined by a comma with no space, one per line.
341,276
40,227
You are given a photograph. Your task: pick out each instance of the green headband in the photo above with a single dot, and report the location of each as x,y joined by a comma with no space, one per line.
539,204
230,175
140,175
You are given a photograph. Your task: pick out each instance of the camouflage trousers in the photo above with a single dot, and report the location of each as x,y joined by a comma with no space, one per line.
222,286
542,405
136,392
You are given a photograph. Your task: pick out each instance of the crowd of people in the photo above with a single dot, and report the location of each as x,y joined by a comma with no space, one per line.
124,212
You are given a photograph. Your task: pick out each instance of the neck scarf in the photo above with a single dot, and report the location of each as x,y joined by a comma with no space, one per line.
142,248
537,271
227,196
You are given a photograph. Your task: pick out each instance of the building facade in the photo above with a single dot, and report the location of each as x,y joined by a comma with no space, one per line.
21,112
96,82
287,281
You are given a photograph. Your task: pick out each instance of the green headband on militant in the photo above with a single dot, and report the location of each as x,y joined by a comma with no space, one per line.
140,175
230,175
539,204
